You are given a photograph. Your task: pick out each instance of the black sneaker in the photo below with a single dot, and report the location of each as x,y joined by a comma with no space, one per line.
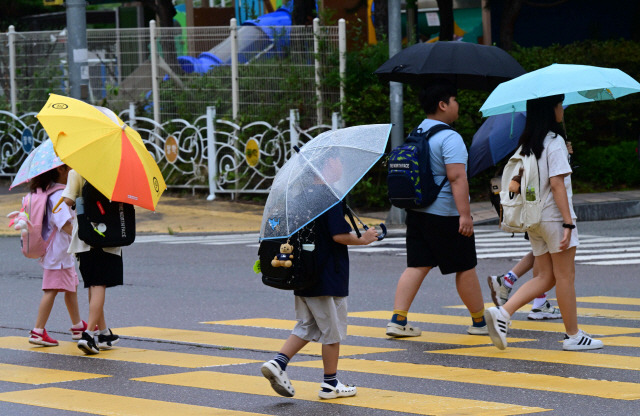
88,344
105,342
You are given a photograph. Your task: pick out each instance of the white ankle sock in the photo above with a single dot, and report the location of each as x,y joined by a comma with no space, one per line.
538,302
38,330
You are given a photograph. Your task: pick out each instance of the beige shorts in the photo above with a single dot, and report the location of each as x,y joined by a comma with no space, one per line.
546,238
321,318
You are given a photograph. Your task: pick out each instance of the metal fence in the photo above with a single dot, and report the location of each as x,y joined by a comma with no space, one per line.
247,73
208,153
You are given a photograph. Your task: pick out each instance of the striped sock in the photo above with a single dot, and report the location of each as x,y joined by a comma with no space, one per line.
399,317
331,379
510,279
282,361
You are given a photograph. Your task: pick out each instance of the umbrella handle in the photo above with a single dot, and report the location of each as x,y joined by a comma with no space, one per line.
55,209
382,235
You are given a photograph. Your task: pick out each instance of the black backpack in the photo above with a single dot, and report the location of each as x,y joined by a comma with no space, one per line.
103,223
410,182
303,272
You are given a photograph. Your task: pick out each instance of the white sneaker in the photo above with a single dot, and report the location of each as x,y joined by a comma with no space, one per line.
499,292
278,378
478,330
582,341
497,325
327,391
400,331
546,311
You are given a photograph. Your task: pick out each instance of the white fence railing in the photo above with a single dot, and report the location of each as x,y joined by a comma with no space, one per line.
209,153
246,72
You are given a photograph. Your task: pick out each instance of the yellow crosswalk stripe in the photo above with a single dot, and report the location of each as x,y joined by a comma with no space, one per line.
34,375
526,325
372,332
597,388
622,342
591,312
134,355
421,404
87,402
611,300
589,359
235,341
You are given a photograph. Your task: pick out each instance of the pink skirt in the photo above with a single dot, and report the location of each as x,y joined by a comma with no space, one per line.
60,279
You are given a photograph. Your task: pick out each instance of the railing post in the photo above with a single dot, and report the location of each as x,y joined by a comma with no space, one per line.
154,72
212,162
342,50
336,123
293,129
235,95
132,115
316,59
12,70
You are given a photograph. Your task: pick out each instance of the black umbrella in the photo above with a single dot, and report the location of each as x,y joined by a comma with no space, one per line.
467,65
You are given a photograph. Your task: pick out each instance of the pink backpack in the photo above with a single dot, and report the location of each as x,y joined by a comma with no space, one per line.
34,204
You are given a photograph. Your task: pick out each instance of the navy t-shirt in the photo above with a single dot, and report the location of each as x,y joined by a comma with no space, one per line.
332,258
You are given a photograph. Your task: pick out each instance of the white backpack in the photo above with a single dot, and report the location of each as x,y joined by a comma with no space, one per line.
520,212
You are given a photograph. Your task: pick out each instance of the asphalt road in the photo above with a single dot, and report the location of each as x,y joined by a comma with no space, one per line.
174,288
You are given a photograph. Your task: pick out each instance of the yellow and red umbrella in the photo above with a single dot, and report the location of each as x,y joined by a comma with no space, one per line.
104,150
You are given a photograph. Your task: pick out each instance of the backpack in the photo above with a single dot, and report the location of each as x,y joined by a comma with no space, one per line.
410,182
34,205
303,270
521,211
104,223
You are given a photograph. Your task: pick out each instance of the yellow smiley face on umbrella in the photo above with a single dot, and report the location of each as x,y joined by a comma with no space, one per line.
104,150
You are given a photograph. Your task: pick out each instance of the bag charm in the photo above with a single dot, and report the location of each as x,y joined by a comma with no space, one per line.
285,257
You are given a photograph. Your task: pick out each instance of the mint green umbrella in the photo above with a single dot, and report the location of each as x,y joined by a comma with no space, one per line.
579,84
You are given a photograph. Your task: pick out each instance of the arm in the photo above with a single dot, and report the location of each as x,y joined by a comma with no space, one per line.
67,228
562,201
460,189
350,239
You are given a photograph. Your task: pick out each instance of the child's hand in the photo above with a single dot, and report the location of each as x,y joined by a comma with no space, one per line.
566,239
369,236
69,201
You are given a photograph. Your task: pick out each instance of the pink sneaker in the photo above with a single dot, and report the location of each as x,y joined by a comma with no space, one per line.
76,333
42,339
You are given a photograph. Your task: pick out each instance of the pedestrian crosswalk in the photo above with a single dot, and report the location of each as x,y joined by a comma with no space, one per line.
442,372
490,244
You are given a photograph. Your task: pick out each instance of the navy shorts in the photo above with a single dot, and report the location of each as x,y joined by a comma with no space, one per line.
434,240
99,268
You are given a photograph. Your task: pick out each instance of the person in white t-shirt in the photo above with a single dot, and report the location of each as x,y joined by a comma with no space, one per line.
555,240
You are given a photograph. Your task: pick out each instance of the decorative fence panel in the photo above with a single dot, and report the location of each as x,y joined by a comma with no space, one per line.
208,153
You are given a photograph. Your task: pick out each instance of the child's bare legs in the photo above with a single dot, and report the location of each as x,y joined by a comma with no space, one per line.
564,269
330,354
71,300
44,310
542,282
96,307
292,345
408,286
524,265
469,290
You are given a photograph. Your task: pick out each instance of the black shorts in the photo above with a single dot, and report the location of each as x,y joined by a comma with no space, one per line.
434,240
99,268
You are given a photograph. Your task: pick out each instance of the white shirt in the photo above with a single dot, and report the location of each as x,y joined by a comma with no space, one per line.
73,191
554,161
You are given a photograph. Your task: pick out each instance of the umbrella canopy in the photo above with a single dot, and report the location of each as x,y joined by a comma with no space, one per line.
40,160
494,140
104,150
579,84
467,65
320,175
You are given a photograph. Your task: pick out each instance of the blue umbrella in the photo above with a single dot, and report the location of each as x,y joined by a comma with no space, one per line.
495,140
579,84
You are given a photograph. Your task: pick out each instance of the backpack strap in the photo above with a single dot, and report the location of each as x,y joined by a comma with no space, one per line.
432,132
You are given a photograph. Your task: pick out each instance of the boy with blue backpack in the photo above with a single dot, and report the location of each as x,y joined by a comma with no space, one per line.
441,233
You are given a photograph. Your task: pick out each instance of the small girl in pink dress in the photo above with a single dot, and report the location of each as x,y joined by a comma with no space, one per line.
59,267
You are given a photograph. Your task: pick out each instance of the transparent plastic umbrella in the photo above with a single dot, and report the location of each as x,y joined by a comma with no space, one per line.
319,175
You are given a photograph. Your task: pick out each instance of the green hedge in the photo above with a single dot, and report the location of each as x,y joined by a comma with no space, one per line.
603,134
